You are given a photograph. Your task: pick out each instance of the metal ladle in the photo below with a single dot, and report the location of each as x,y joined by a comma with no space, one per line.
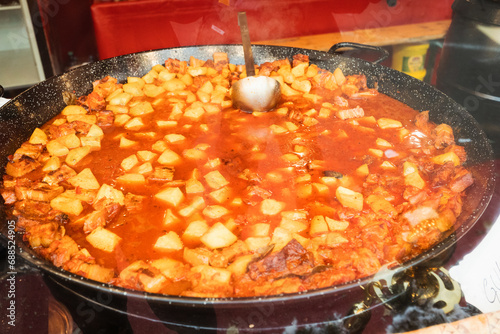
253,93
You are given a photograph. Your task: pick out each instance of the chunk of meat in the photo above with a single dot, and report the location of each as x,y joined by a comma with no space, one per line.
293,259
444,136
105,118
21,167
62,174
38,192
462,180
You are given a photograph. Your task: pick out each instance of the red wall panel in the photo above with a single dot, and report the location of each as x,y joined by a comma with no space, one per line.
132,26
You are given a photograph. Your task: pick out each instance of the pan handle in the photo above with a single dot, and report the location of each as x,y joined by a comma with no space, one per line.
384,54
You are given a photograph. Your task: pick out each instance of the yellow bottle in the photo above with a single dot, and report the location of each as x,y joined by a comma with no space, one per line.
410,59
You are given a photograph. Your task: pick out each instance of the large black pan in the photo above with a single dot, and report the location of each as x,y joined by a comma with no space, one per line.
37,105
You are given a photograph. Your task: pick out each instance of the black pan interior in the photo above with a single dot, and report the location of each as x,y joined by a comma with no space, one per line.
37,105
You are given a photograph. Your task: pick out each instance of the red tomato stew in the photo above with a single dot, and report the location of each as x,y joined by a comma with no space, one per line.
159,184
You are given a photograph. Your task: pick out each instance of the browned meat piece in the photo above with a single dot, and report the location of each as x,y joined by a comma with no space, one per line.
100,217
60,251
33,209
62,174
365,262
340,101
350,113
300,58
105,118
162,174
94,101
444,136
24,223
255,194
441,175
28,150
21,167
38,192
134,203
176,66
220,60
42,234
267,69
80,127
102,88
422,121
56,131
462,180
9,196
293,259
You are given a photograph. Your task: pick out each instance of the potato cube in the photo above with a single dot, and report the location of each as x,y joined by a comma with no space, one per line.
197,256
134,88
70,141
121,119
170,268
76,155
127,143
276,129
349,198
382,143
113,195
85,180
57,149
304,190
336,225
151,90
215,180
446,157
120,99
93,142
90,119
388,123
194,186
73,110
174,138
379,203
293,226
38,137
169,242
256,230
145,168
173,85
70,206
197,204
169,157
220,195
134,124
131,179
103,239
170,218
363,170
194,113
218,236
146,155
376,152
335,239
51,165
254,243
129,162
318,226
240,264
414,179
194,231
271,207
172,196
141,108
339,76
215,211
281,237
